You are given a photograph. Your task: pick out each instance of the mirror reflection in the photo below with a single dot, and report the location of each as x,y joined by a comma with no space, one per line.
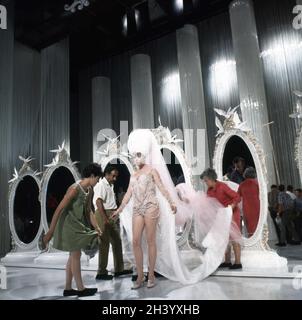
27,209
239,167
60,180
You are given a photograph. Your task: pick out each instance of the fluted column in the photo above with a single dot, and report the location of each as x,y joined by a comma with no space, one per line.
141,91
250,78
101,111
251,83
192,99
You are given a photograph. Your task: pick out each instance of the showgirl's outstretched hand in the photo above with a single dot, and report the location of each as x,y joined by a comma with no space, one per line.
115,215
99,231
47,237
173,208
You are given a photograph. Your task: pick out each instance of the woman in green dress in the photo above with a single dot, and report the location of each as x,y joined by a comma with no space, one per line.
72,228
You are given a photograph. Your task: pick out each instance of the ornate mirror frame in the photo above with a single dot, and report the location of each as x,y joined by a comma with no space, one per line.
166,141
61,159
298,153
257,256
107,159
25,171
260,237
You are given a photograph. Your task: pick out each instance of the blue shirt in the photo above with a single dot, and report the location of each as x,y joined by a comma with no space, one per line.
298,204
236,177
285,200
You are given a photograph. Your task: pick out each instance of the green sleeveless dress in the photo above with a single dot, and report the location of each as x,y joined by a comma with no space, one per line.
73,231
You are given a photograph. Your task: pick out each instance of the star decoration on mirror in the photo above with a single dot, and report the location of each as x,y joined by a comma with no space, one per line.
172,139
112,146
26,167
52,164
26,164
15,176
26,160
164,135
231,121
62,156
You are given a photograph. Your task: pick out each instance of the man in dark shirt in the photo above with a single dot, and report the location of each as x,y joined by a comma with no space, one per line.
239,167
273,208
298,201
285,211
298,212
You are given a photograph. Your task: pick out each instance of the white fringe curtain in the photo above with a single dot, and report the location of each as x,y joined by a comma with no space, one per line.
54,97
218,70
6,108
280,46
34,110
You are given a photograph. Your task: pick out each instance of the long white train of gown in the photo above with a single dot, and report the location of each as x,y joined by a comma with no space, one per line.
185,266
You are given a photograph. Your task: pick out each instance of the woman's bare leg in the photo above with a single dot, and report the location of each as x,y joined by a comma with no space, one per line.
138,227
237,252
68,284
151,225
76,269
227,258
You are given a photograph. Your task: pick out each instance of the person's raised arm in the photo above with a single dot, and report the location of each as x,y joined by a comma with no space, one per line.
163,190
233,195
125,201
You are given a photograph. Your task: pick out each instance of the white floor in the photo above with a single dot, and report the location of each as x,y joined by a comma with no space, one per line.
35,283
29,283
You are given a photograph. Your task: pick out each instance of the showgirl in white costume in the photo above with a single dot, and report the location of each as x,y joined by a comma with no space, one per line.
152,195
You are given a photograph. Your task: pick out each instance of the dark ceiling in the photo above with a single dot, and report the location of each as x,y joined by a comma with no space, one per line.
96,31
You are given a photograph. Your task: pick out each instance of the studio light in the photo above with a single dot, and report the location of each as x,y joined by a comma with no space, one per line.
170,93
250,104
184,7
125,24
136,19
223,78
179,6
129,24
282,48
